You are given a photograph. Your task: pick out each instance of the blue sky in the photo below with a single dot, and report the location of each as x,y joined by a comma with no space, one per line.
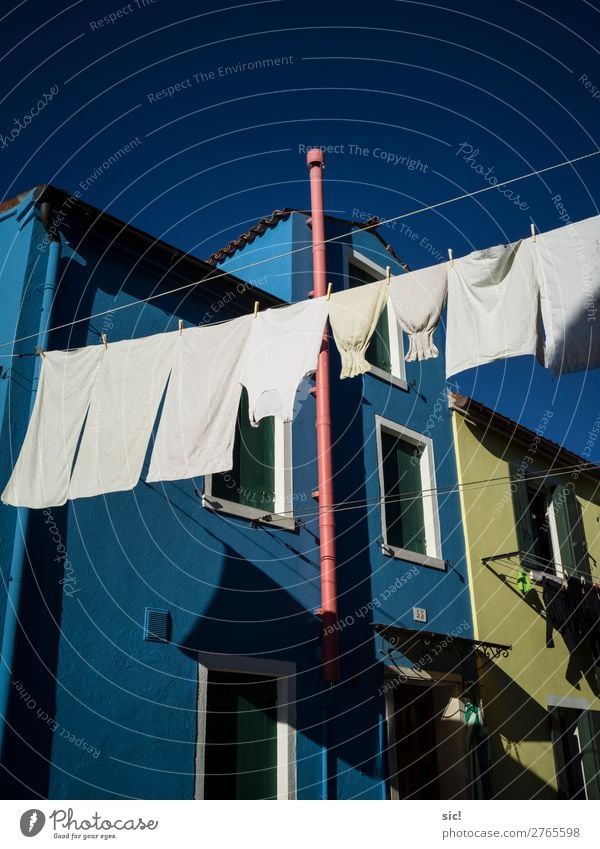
508,86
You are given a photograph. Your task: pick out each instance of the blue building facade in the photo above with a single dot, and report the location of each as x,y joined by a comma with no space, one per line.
100,709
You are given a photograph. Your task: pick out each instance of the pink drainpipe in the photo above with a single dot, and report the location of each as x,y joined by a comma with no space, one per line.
329,613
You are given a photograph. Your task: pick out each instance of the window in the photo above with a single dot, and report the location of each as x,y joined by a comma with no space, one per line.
549,526
385,351
246,738
259,483
426,741
576,747
409,515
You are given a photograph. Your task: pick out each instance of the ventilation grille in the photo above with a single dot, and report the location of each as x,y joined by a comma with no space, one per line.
156,625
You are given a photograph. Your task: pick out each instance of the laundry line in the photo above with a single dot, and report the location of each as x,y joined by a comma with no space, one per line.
212,278
342,506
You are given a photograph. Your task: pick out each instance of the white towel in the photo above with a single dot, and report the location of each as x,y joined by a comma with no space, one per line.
197,425
131,381
40,477
354,314
417,299
568,264
493,307
283,347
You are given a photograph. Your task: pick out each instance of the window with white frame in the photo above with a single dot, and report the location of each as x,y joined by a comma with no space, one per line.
246,728
409,512
385,352
549,524
260,482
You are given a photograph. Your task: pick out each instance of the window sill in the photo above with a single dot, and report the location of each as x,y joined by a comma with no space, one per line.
413,557
252,514
388,378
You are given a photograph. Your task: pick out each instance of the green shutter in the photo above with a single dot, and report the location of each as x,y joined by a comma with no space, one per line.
392,507
251,481
404,500
378,351
569,526
240,759
559,760
257,741
521,507
412,518
588,726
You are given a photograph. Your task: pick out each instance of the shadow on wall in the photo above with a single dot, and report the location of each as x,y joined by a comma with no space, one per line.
519,738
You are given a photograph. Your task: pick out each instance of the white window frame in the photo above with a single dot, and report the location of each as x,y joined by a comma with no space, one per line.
549,489
431,518
282,515
398,374
285,673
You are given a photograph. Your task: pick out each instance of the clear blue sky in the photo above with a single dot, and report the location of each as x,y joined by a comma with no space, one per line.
381,82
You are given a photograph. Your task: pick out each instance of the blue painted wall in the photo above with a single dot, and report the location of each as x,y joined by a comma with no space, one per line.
115,716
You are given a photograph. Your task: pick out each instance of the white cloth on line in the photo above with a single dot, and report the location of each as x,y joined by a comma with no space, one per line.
196,431
131,382
354,314
417,298
493,307
41,474
568,267
283,347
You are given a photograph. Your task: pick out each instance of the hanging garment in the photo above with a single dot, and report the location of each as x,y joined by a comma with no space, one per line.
354,315
131,382
568,268
524,582
40,477
197,425
493,307
558,602
283,347
417,299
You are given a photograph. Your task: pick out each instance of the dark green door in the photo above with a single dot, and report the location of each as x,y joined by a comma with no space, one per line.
241,737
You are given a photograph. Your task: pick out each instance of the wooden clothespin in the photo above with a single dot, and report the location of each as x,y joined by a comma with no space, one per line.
105,341
40,351
329,288
451,257
180,326
388,274
256,306
533,232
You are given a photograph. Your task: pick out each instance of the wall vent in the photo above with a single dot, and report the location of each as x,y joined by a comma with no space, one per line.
156,625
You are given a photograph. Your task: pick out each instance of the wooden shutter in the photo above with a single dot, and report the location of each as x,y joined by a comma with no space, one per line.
411,511
391,491
559,759
251,480
523,523
588,726
569,526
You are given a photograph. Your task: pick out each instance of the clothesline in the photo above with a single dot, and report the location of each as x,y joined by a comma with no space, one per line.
210,278
536,574
359,503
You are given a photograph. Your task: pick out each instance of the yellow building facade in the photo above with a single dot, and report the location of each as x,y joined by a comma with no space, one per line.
531,518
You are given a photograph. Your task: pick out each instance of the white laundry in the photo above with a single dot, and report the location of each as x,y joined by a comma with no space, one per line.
568,266
131,381
493,307
197,425
283,347
417,299
354,314
40,477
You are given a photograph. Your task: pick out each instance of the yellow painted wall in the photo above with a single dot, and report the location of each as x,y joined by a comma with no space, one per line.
515,689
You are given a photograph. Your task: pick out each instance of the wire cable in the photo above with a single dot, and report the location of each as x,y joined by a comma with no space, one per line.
379,223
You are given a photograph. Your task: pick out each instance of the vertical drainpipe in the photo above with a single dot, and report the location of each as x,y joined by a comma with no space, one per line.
19,553
331,665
